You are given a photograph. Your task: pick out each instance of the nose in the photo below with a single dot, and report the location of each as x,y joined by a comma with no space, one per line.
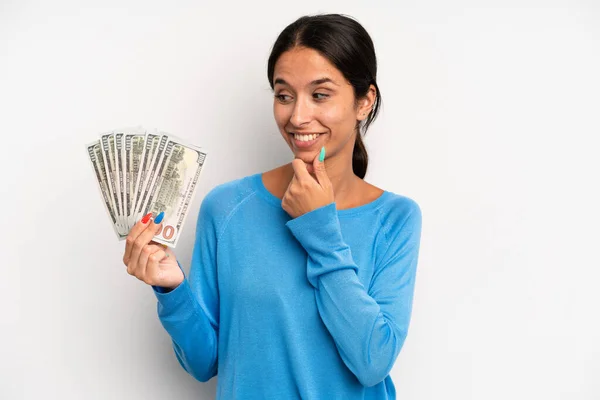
302,112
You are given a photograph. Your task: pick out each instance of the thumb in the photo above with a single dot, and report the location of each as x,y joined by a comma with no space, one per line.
319,168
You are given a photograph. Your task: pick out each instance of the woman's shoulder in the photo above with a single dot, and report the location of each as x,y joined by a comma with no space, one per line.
399,211
390,201
401,203
225,197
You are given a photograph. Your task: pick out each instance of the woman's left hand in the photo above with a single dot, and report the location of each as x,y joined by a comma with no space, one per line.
305,193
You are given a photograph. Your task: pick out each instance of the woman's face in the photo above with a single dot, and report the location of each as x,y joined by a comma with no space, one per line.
314,105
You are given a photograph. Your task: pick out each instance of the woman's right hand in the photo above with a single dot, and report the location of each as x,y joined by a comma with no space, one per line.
149,261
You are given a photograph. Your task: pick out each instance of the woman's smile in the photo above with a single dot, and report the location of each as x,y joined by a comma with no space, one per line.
305,141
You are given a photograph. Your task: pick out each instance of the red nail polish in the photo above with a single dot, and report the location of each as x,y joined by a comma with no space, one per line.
146,218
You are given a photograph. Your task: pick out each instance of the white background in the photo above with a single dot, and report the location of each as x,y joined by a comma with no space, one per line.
490,122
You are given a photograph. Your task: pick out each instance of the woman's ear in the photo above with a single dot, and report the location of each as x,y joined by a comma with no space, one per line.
366,103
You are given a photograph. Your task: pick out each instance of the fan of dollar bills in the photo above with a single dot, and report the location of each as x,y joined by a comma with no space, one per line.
141,171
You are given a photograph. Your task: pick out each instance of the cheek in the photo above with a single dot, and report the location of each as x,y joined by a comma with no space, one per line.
280,114
337,118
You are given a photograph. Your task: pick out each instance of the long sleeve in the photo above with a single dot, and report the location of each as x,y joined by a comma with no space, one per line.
369,325
190,312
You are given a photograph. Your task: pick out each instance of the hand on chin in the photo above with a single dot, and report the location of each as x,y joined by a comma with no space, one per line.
310,169
309,165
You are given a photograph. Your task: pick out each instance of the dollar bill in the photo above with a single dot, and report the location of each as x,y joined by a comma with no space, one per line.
134,150
118,171
150,176
108,156
154,177
151,147
175,187
94,150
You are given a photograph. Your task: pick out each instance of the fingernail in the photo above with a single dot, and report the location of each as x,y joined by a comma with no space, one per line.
159,217
146,218
322,154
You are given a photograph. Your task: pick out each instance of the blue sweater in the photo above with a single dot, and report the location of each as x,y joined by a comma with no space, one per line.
316,307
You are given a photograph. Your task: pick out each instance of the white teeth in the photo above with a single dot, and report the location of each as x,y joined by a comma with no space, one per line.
306,138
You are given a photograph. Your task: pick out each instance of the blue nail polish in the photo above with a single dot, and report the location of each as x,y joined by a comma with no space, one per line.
322,154
159,218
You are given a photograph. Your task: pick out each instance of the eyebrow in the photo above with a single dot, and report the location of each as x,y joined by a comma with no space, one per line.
315,82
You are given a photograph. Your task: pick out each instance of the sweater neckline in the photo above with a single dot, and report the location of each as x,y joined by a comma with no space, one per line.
276,201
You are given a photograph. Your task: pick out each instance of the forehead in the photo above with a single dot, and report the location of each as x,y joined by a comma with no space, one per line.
300,66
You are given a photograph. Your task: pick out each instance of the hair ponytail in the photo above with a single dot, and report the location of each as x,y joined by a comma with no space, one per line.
360,158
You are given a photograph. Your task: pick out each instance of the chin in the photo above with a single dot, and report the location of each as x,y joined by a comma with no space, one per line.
308,158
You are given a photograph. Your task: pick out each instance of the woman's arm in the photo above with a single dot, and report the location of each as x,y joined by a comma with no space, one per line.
368,325
190,312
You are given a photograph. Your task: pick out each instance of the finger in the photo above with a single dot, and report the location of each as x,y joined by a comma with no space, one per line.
142,240
133,234
300,170
319,168
151,268
292,181
163,247
146,252
292,188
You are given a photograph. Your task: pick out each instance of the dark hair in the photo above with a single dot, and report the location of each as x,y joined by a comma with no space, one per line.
348,46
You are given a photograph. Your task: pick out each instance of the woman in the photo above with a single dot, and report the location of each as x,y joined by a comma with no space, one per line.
302,278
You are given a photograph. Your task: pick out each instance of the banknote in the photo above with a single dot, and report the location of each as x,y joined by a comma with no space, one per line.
108,154
133,151
175,186
151,145
142,170
150,176
96,158
117,140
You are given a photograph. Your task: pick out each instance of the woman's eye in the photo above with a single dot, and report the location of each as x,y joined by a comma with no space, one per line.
285,97
280,97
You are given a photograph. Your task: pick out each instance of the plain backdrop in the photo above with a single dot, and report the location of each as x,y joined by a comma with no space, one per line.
490,121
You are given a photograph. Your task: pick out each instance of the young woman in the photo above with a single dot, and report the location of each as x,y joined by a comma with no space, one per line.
302,277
